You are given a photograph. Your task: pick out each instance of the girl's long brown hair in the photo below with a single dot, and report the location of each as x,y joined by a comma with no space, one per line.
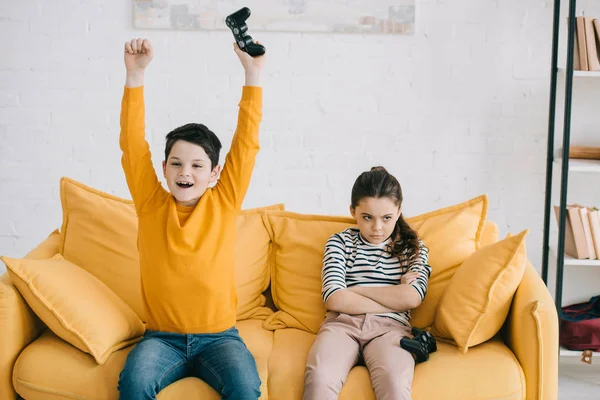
379,183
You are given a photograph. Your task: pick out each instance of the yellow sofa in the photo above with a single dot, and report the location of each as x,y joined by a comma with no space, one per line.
278,277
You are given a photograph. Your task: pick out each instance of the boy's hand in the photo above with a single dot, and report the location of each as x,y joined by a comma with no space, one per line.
252,65
138,54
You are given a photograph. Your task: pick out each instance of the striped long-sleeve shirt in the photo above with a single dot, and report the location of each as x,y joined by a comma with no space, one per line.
350,260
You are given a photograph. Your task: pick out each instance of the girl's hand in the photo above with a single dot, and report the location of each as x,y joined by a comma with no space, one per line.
409,278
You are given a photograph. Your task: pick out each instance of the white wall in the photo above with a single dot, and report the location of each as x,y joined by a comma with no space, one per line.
457,110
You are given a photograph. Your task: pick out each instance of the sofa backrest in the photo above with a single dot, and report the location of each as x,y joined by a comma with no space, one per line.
451,234
274,249
99,234
489,234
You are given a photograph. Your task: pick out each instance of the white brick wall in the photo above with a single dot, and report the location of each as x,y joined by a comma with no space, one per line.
457,110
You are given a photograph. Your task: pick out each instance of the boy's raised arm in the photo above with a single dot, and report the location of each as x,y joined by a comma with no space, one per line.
136,160
239,162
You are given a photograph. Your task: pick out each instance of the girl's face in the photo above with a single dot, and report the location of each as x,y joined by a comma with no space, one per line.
376,218
188,172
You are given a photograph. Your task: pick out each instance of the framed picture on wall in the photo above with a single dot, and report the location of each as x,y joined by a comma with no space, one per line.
391,17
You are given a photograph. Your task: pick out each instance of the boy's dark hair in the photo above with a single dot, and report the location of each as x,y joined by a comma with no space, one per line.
379,183
196,134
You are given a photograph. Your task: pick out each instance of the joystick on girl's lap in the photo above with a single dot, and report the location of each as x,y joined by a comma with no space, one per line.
421,345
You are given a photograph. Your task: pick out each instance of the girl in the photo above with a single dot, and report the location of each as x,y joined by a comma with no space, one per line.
372,277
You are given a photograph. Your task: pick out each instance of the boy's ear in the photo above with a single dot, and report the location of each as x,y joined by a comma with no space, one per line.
352,212
215,173
164,165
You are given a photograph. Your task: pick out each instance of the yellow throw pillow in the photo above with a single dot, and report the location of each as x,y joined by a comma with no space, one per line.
298,246
251,254
76,306
478,298
452,234
99,234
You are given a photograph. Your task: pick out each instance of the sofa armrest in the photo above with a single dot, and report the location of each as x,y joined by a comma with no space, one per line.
19,326
532,335
18,323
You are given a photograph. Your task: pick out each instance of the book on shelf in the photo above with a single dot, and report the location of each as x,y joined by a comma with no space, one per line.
575,243
586,48
584,152
587,231
596,37
581,44
582,231
579,152
590,42
594,216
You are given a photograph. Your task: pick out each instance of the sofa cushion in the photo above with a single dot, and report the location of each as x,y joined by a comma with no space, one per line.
489,233
489,371
287,363
47,248
251,255
99,233
75,305
50,368
478,298
452,234
298,245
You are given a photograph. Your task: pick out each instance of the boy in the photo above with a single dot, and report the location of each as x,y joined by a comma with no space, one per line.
185,241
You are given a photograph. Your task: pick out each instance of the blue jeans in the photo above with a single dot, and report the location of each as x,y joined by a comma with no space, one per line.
220,359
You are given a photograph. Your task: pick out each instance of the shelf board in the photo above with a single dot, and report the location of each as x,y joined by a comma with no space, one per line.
571,261
584,74
580,165
575,353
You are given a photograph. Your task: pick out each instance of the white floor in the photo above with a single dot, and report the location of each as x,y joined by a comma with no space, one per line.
577,380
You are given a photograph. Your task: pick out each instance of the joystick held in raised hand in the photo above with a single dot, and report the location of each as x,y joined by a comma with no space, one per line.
237,23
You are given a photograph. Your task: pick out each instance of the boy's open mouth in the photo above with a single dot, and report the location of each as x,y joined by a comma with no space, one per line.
184,185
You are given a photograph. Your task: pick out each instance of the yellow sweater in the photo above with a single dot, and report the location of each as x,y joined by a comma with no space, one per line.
186,253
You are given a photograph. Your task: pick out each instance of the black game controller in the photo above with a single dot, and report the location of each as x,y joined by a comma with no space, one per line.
237,23
421,345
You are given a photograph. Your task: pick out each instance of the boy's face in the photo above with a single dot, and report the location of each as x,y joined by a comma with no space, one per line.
376,218
188,172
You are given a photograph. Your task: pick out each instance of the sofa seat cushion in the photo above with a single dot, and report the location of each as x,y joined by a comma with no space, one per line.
488,371
50,369
286,369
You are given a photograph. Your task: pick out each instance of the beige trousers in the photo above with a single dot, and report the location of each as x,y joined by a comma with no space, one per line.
343,341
